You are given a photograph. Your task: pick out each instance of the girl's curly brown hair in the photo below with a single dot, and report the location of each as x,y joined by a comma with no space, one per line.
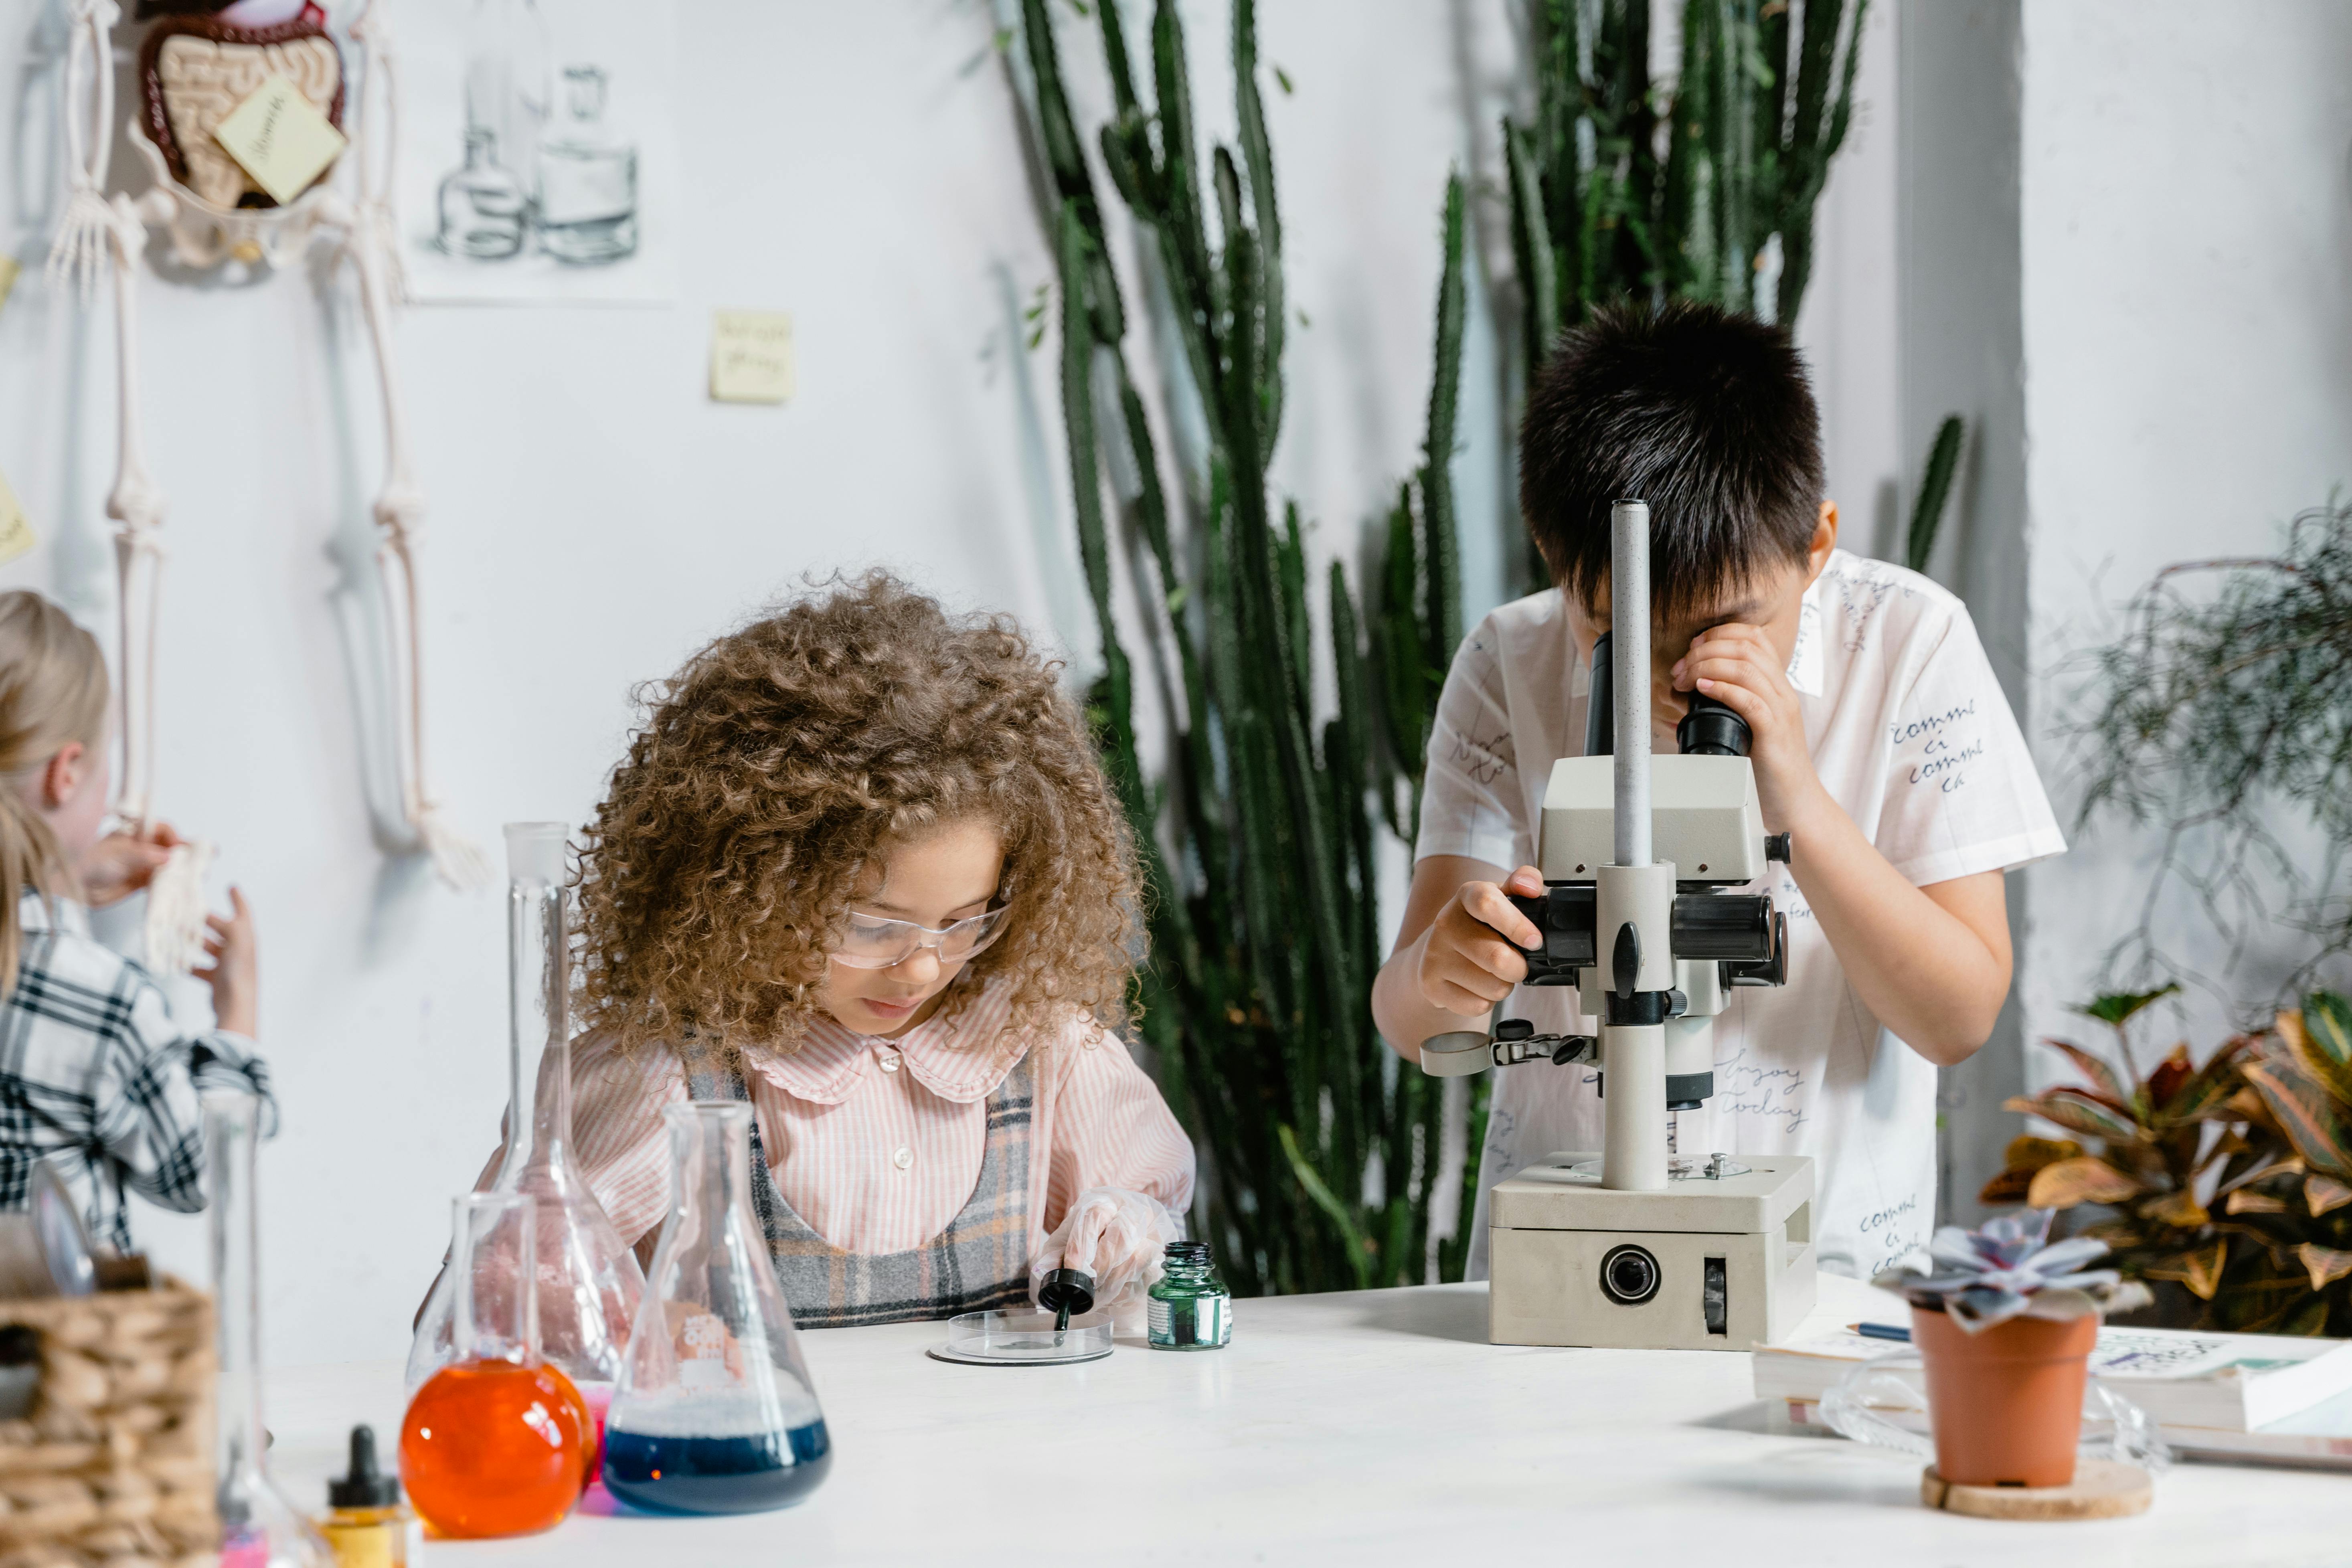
775,767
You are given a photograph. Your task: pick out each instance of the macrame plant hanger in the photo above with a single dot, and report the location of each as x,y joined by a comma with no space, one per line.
110,234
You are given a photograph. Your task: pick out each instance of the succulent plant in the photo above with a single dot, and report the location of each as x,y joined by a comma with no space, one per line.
2011,1268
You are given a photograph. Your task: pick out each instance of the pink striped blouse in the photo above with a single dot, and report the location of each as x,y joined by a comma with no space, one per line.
876,1143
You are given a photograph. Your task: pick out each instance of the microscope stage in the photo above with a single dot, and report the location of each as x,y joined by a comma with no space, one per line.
1563,1192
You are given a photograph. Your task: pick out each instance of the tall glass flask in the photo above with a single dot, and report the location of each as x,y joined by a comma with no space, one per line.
259,1528
588,1283
509,81
494,1443
715,1412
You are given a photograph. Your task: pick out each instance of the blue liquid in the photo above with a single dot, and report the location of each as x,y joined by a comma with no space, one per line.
716,1475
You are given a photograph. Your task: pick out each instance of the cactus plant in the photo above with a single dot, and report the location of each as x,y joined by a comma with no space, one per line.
1623,187
1260,835
1627,188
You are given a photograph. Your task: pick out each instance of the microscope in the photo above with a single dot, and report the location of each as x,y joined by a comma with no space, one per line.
1638,1247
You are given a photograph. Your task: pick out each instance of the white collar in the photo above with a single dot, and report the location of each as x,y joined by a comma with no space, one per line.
1808,658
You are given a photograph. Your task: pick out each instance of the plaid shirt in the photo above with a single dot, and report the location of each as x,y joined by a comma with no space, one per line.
97,1079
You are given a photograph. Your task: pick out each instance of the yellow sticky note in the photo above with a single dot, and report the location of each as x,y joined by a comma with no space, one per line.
750,356
7,279
280,139
15,528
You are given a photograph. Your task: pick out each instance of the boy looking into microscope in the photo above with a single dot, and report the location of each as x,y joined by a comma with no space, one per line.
1880,741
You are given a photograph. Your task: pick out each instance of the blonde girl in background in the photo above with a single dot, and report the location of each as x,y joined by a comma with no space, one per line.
861,867
95,1076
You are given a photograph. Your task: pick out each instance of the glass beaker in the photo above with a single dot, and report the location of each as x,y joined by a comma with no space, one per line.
495,1442
587,180
715,1412
259,1528
589,1281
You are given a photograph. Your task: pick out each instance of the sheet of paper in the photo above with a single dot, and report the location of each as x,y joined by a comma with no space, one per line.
280,138
15,528
750,356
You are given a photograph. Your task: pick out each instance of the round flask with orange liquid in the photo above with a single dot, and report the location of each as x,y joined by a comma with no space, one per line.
500,1442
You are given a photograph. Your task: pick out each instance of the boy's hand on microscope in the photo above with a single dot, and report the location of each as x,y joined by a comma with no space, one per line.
1740,667
120,864
235,970
1467,961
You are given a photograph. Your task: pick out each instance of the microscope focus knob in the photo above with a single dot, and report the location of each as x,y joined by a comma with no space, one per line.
1777,846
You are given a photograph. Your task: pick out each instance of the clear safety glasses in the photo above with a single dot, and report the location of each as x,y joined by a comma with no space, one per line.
872,942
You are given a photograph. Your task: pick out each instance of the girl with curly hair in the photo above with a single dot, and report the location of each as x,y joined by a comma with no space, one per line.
861,867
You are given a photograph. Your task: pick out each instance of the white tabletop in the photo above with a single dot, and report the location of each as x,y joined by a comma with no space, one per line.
1371,1428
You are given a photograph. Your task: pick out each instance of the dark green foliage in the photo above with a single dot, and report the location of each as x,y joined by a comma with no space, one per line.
2219,708
1935,489
2229,1183
1260,838
2116,1008
1624,187
1652,189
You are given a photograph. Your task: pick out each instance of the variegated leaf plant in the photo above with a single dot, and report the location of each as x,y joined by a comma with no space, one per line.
2231,1179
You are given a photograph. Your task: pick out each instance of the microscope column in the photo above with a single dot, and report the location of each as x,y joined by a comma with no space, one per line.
1634,897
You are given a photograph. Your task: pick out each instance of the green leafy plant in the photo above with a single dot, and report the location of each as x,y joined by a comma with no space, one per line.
2291,1248
2155,1152
2232,1179
1260,834
1627,188
2223,713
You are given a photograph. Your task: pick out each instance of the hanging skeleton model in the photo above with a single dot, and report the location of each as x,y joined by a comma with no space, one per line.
200,60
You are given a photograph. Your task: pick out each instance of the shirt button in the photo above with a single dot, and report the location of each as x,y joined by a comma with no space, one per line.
889,1061
903,1158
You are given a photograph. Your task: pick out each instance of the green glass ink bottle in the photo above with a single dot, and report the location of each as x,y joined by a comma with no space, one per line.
1191,1308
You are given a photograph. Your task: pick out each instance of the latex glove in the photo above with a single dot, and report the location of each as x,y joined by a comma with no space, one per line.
1114,1235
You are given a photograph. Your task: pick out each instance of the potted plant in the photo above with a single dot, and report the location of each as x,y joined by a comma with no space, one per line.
2230,1183
2004,1320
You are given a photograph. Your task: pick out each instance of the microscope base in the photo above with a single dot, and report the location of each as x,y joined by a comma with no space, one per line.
1721,1265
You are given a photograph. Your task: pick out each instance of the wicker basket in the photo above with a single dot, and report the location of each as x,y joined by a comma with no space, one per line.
116,1465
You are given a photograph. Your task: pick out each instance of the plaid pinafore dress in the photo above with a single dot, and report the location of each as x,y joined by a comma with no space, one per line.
979,1263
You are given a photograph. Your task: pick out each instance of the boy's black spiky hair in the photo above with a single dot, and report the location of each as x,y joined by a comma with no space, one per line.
1707,416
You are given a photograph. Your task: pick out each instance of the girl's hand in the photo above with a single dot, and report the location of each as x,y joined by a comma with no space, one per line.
234,976
1113,1234
1738,666
121,863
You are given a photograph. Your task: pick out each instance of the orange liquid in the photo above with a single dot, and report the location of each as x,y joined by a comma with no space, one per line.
492,1448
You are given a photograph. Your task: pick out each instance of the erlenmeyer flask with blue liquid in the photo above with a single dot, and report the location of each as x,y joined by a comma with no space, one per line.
714,1412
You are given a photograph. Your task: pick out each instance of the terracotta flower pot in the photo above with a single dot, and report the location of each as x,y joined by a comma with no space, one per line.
2006,1402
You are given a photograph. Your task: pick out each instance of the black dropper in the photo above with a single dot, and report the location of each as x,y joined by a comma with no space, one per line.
1065,1291
365,1485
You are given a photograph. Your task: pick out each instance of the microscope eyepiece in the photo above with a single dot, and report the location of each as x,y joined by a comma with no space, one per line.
1711,728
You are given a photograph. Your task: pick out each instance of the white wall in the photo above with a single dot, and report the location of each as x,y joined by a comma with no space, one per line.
594,518
2188,350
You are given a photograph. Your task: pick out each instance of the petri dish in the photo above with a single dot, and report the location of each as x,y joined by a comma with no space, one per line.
1024,1337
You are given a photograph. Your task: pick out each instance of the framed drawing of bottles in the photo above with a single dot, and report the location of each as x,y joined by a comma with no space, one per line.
537,156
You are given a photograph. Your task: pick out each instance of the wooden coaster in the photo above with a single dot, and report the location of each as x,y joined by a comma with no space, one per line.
2102,1488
